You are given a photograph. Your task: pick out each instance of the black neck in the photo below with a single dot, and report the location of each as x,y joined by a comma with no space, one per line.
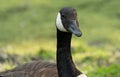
65,65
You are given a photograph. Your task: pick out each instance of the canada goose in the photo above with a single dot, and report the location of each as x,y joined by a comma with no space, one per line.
66,24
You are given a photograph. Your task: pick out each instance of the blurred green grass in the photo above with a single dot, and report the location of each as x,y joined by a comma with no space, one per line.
28,27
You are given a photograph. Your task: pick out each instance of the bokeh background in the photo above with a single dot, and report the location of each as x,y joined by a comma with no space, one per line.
28,32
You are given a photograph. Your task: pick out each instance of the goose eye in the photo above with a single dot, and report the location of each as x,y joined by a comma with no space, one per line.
63,15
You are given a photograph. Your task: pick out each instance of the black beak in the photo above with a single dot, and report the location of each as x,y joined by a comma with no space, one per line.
73,28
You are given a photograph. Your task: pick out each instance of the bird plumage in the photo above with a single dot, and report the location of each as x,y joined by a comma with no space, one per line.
33,69
66,24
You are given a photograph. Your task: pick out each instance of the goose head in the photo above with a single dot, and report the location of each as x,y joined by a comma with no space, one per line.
67,21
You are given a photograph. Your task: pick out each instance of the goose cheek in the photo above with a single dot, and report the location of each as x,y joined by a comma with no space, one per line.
59,23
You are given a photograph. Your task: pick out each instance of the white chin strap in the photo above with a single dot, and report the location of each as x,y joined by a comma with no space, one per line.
59,23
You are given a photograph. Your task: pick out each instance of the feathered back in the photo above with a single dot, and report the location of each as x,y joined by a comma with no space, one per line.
33,69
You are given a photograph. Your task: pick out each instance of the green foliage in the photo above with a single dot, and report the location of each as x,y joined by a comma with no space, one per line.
108,71
46,54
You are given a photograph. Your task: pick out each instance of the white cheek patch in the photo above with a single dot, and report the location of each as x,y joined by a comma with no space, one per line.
59,23
82,75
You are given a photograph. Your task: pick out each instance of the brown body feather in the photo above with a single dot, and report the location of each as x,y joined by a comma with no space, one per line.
33,69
